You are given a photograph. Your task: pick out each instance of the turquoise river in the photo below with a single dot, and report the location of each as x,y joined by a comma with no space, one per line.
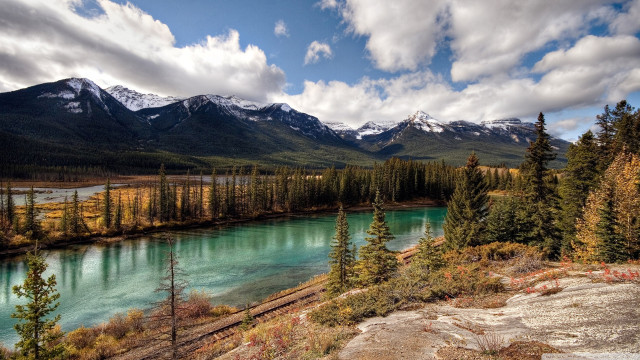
236,264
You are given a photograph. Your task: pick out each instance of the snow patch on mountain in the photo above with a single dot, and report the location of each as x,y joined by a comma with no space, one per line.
374,128
338,126
423,121
135,101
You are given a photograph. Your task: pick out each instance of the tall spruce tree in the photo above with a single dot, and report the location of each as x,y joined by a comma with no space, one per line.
10,208
36,329
580,177
539,193
376,263
341,257
467,210
31,223
107,206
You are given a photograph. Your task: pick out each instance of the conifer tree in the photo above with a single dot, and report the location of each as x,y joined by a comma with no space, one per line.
428,258
10,209
467,210
64,219
31,223
580,177
164,194
214,200
75,220
539,193
117,218
604,223
342,259
376,263
36,330
107,206
612,248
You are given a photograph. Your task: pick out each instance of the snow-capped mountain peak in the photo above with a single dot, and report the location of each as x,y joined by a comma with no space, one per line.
374,128
425,122
135,101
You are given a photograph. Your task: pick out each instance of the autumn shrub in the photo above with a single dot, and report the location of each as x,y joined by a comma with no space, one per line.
221,310
135,320
197,304
105,347
117,326
82,337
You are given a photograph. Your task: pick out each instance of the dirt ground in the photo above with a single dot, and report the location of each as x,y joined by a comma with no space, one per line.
585,316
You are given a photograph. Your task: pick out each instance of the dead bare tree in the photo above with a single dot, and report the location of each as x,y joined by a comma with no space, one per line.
173,284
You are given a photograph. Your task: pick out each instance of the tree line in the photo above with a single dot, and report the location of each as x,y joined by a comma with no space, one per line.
591,212
239,193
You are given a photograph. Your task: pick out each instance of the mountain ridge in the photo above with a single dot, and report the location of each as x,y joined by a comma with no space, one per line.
74,122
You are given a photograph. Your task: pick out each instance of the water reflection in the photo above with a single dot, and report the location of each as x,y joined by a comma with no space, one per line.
237,264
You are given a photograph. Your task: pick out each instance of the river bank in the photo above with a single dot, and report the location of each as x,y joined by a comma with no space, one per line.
115,236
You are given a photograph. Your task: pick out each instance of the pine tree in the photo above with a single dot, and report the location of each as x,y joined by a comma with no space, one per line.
164,194
117,218
31,223
606,135
535,168
580,177
64,219
619,185
467,210
612,248
341,257
376,263
539,193
214,200
428,258
107,206
37,332
10,209
75,220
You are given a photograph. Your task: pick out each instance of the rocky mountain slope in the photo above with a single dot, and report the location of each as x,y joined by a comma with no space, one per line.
74,122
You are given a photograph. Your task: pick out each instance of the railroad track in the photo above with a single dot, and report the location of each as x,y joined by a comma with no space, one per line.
195,337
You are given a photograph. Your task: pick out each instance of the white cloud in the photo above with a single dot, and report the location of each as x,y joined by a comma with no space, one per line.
627,22
316,50
281,29
492,37
328,4
595,71
402,33
564,126
487,38
43,40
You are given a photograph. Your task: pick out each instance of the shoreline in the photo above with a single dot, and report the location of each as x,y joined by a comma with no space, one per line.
195,224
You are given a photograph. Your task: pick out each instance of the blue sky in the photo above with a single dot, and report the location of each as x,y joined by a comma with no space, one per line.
350,61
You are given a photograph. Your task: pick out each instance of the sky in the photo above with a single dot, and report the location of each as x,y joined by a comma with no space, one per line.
349,61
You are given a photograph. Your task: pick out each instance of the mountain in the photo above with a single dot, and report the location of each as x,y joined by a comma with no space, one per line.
208,125
420,136
135,101
73,122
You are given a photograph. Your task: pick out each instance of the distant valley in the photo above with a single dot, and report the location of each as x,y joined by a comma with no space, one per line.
73,122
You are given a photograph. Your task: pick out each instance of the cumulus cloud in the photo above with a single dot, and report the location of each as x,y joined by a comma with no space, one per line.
487,38
402,34
627,22
281,29
594,71
563,126
43,40
316,50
